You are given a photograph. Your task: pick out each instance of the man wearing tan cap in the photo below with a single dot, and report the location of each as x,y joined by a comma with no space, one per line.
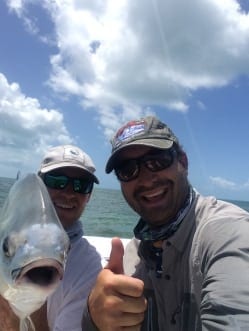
68,173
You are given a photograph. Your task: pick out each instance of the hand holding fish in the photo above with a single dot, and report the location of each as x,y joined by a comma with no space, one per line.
117,300
8,320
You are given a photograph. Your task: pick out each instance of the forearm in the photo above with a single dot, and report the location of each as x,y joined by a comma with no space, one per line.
6,325
8,320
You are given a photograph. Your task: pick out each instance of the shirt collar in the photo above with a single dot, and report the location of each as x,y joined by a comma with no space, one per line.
144,233
75,231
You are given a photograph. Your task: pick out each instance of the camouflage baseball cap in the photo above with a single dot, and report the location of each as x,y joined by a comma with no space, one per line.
148,131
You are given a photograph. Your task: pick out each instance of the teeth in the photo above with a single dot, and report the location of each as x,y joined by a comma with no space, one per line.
153,195
61,205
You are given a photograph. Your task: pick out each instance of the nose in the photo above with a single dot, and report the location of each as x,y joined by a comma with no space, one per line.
146,176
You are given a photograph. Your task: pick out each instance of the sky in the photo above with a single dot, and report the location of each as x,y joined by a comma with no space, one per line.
73,72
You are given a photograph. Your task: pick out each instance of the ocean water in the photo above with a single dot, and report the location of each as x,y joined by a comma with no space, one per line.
107,214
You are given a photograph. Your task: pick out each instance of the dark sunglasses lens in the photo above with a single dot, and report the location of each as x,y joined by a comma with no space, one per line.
159,162
56,182
82,186
127,171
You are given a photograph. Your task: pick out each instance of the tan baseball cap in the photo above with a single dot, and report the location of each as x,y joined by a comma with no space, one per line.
68,156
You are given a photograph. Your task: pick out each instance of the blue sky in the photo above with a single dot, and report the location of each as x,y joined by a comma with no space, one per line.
74,71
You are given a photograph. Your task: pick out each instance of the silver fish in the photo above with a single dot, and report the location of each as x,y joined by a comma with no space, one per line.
33,247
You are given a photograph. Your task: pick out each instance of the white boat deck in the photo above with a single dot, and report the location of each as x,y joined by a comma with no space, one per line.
103,246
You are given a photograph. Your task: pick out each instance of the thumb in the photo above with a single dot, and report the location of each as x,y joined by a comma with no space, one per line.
115,263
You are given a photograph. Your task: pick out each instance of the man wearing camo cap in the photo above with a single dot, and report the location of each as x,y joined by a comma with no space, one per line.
187,267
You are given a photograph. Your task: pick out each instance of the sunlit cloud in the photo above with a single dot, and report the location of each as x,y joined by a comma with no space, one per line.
223,183
246,185
136,54
201,105
26,128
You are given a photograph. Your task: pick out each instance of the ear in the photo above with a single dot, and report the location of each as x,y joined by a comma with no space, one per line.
183,159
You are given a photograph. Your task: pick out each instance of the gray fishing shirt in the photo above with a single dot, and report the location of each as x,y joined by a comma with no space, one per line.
204,284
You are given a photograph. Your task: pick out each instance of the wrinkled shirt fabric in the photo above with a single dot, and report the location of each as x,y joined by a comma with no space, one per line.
66,304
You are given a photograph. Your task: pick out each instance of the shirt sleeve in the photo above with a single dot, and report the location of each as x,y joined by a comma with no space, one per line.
222,260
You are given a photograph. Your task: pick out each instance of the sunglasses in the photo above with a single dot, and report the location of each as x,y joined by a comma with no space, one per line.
59,182
128,170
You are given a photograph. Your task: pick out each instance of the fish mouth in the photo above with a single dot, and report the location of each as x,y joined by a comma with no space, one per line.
42,273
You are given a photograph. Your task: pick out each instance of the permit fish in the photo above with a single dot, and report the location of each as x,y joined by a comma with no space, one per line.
33,248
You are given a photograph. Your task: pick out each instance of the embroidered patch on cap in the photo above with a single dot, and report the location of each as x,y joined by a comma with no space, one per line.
72,154
131,129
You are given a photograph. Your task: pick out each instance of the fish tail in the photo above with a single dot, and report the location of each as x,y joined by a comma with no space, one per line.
26,324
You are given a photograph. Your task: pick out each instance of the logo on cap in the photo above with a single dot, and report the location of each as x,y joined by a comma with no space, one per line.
72,154
131,129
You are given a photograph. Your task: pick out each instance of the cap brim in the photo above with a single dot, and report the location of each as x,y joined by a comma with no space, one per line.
155,143
67,165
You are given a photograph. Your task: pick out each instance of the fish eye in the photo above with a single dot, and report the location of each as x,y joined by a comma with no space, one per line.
5,247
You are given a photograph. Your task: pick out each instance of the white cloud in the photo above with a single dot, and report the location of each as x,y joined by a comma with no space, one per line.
117,54
223,183
200,105
26,129
246,185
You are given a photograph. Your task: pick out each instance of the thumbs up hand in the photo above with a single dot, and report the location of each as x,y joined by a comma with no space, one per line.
117,300
115,263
